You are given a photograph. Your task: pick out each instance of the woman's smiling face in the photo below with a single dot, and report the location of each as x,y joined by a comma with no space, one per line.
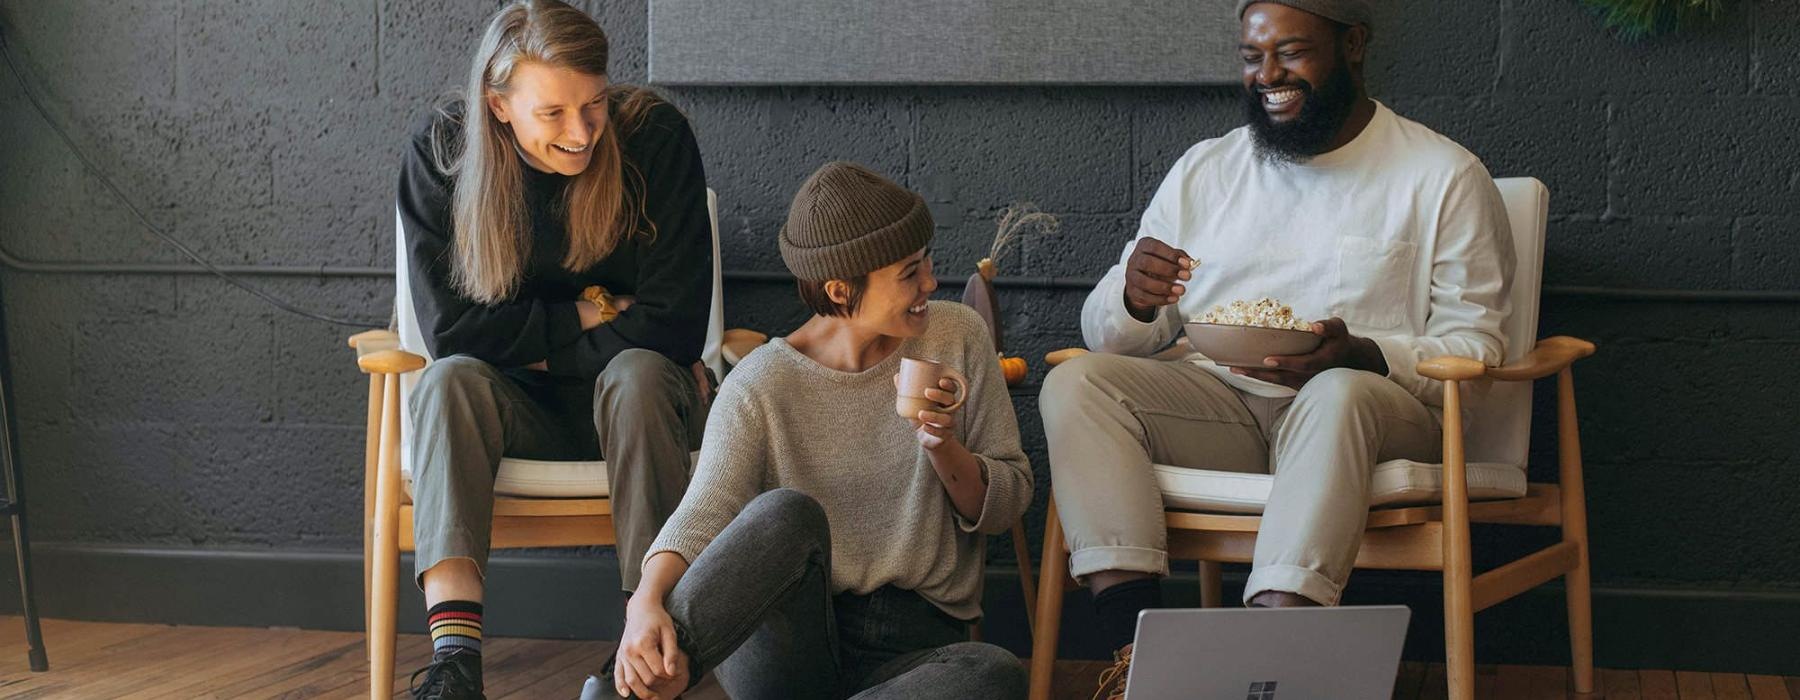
894,299
556,115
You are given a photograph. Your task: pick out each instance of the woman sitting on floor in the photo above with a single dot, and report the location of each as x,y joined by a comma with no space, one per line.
828,547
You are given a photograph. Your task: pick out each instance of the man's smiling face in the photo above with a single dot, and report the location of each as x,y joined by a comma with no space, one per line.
1298,84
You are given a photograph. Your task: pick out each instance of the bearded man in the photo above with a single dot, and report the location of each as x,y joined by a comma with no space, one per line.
1392,234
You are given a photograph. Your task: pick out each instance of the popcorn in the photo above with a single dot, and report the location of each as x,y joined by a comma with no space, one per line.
1262,313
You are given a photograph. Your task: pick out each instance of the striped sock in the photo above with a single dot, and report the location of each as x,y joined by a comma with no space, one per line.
455,626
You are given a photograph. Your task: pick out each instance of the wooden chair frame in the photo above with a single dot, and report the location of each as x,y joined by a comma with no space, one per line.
1424,538
388,511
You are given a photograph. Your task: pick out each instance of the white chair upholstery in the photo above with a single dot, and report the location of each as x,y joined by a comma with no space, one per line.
531,477
1498,428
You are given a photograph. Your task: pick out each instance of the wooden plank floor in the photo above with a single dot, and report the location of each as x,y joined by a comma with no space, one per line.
145,662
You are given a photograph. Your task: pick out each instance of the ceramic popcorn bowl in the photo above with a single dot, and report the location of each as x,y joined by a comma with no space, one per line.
1246,346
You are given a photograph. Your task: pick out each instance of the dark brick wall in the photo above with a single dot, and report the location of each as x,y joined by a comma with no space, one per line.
180,411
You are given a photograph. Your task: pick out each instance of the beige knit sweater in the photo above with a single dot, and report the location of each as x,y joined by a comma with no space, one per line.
784,421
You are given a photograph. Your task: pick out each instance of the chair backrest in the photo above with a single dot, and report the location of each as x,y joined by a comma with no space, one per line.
412,334
1499,427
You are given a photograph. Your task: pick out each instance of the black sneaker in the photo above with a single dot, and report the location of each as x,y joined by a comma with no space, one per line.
453,676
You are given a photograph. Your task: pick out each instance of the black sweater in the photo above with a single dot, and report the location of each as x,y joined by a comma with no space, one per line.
670,273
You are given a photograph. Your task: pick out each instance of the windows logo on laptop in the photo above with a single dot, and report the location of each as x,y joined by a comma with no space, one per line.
1261,690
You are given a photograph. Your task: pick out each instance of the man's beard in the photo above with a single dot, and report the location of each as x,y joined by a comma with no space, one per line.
1310,132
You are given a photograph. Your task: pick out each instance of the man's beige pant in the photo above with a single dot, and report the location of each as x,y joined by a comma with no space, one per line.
1109,417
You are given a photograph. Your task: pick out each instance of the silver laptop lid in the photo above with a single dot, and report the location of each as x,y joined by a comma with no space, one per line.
1345,653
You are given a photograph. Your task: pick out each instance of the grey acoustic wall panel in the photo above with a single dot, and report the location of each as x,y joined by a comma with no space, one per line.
864,42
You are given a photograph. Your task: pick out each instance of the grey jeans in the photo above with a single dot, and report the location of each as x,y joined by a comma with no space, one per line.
1109,417
643,414
756,606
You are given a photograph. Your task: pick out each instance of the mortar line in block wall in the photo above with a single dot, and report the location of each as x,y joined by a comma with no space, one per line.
13,262
380,11
175,55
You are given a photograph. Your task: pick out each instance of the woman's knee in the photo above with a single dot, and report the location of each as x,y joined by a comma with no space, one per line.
637,375
792,513
995,671
454,379
456,371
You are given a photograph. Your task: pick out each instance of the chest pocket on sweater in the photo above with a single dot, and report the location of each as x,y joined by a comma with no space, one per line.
1374,282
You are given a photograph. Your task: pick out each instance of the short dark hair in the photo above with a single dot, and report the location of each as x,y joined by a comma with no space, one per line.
813,295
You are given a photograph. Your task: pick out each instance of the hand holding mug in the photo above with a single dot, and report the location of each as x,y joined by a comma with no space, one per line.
928,387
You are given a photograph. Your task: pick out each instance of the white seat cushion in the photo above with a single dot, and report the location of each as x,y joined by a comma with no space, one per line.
542,478
1395,483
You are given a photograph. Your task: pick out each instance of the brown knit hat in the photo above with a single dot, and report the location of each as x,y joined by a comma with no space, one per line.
847,221
1350,12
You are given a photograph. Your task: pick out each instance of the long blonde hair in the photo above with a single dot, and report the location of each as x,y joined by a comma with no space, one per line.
492,240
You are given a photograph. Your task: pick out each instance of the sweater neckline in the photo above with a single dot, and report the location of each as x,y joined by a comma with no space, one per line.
1352,150
886,367
533,176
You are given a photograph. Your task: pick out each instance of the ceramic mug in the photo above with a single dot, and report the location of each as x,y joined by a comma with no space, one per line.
915,376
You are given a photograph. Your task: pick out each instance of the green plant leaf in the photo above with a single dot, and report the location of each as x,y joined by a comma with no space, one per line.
1637,19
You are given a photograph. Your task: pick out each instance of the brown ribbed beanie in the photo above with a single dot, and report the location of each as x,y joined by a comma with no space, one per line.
847,221
1350,12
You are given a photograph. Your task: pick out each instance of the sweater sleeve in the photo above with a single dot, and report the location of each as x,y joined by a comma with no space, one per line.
507,334
729,473
991,431
1106,325
1471,281
674,284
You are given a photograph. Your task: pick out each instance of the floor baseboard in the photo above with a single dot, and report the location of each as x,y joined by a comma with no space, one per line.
577,597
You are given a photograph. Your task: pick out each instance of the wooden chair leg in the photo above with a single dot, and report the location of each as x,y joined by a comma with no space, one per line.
371,456
386,565
1051,571
1459,610
1027,584
1574,525
1212,587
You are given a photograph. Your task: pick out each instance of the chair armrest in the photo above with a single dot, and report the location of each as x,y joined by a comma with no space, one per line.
390,362
1451,368
368,343
376,336
1550,356
738,342
1057,357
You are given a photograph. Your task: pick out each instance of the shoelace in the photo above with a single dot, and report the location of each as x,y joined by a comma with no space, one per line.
437,675
1114,677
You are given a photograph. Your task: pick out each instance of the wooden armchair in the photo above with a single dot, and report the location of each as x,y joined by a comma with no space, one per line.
1430,536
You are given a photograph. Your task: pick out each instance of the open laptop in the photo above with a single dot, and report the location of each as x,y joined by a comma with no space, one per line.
1344,653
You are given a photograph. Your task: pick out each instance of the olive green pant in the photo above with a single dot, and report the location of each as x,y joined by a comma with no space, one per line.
642,414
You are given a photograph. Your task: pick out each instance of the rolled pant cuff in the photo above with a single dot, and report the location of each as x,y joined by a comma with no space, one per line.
1298,580
456,544
1117,558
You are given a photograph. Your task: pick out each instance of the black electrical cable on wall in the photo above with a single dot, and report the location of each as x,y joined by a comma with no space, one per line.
272,300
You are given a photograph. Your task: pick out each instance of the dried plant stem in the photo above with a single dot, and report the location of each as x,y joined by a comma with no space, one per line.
1016,222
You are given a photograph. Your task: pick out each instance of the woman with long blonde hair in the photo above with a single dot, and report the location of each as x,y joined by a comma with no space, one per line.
559,248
